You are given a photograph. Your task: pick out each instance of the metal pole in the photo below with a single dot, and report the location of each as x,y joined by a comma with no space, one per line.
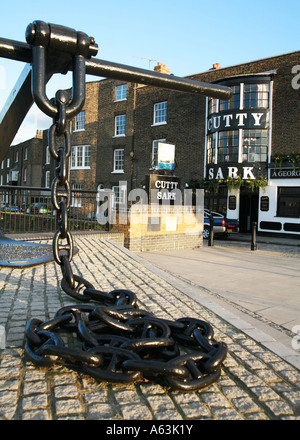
18,51
211,231
253,241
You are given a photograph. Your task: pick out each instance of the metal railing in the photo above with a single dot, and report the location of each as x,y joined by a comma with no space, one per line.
30,210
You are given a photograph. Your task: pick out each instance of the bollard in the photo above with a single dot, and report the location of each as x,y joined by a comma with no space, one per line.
253,242
211,231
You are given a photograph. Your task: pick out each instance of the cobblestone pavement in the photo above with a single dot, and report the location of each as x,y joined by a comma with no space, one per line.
256,384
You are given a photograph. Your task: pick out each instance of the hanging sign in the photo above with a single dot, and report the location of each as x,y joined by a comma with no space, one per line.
166,156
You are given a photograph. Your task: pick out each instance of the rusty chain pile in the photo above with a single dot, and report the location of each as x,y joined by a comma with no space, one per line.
120,341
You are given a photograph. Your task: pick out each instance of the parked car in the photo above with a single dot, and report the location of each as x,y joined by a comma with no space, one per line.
219,225
232,225
11,208
222,225
39,208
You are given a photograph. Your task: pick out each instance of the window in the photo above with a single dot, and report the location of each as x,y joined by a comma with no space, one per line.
25,175
154,160
8,162
17,157
119,161
160,113
25,153
119,194
211,147
47,156
79,121
47,179
120,122
76,196
81,157
256,95
228,150
288,201
121,92
233,102
255,145
212,105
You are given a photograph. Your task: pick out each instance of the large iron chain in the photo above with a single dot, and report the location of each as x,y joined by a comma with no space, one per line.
119,341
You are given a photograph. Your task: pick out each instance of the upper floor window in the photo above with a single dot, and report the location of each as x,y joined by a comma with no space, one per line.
255,145
160,113
211,147
119,160
256,95
47,161
233,102
121,92
25,153
17,157
228,148
79,121
8,162
81,156
120,123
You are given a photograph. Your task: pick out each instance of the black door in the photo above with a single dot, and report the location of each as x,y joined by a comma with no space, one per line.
248,209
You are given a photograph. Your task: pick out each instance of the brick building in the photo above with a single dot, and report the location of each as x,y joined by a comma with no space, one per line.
244,152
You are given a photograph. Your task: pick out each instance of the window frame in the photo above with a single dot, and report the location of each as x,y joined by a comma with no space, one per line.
119,199
120,128
122,96
233,150
74,154
79,121
116,160
160,113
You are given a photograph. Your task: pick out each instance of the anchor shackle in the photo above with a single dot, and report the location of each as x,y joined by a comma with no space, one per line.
65,44
61,38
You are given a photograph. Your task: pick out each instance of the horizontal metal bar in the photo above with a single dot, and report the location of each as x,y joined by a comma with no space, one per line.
108,69
22,52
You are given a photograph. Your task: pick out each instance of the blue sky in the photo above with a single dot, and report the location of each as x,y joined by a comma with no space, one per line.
188,36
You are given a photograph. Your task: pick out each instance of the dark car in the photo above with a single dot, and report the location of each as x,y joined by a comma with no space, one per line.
232,225
222,225
219,225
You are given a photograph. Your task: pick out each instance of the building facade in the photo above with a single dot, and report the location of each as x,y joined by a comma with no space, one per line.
244,152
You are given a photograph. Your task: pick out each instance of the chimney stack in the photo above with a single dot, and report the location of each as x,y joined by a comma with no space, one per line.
162,68
216,66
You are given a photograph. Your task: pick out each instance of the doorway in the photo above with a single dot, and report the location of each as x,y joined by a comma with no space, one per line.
248,209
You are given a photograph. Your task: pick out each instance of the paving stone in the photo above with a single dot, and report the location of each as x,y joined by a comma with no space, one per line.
255,384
